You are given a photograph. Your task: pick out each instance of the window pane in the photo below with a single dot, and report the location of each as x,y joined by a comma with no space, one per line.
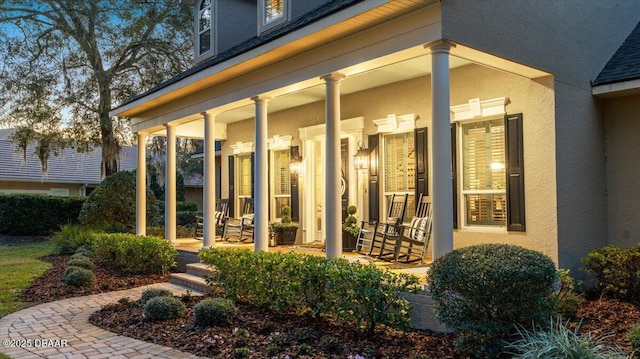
244,175
205,42
484,155
281,175
486,209
205,20
399,162
273,9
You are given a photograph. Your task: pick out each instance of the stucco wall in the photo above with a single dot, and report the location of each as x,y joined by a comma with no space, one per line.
622,124
15,187
533,98
573,40
194,194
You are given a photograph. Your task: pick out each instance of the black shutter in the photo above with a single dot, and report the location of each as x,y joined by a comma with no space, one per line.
269,214
454,172
253,174
232,195
344,165
374,183
295,194
515,173
422,165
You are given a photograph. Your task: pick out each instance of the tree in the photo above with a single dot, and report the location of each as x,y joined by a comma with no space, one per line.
67,62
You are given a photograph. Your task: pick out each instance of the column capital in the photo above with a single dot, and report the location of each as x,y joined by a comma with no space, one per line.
204,114
141,133
170,125
333,77
439,46
261,98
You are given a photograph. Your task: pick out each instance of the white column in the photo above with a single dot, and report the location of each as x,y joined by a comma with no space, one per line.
141,186
209,181
170,185
261,193
333,209
442,196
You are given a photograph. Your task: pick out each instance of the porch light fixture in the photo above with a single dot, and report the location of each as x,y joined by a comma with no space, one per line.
361,158
295,163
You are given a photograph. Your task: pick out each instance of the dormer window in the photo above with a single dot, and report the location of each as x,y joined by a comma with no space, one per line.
272,14
204,26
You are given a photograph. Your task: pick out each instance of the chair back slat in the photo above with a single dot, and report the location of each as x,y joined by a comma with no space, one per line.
397,208
248,206
422,206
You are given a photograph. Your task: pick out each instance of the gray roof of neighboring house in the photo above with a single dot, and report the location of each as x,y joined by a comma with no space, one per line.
624,65
320,12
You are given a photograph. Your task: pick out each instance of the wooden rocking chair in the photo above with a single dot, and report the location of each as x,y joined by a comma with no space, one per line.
221,215
370,235
244,224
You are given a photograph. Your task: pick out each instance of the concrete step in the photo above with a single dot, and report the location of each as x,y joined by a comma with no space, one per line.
199,269
190,281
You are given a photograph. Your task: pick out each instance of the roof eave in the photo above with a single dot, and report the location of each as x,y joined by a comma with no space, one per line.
615,89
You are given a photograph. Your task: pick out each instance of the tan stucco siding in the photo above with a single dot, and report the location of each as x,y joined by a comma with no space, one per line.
35,187
535,99
622,125
194,194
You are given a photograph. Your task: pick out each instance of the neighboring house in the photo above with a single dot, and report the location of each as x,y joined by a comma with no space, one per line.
71,173
485,106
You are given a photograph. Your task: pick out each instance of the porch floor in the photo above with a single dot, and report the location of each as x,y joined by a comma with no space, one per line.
419,269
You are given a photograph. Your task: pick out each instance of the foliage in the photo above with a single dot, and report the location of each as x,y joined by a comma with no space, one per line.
158,188
181,231
85,250
37,215
163,308
81,261
187,167
557,341
78,276
134,254
354,292
180,206
69,63
70,237
19,266
617,271
112,205
154,292
633,336
351,222
242,352
184,218
484,290
568,301
214,311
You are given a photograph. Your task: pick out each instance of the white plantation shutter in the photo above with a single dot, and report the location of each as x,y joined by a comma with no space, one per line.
273,9
400,168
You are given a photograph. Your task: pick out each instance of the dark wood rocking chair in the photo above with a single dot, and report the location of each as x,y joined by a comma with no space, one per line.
244,224
409,242
370,235
221,215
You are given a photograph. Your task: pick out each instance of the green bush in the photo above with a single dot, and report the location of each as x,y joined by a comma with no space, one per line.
185,231
484,290
297,282
154,292
85,250
184,218
112,205
214,311
557,341
134,254
163,308
633,335
37,215
78,276
81,261
70,237
617,271
568,301
180,206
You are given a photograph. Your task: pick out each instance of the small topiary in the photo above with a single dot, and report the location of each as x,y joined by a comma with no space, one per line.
78,276
84,250
214,311
154,292
485,291
163,308
351,222
81,261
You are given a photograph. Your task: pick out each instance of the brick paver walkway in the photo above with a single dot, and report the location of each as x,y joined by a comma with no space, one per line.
61,329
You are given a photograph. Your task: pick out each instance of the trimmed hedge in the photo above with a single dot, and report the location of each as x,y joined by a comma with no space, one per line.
134,254
37,215
180,206
617,271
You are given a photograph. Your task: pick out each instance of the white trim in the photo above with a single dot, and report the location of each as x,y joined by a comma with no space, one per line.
213,12
617,89
279,142
242,147
348,126
395,123
62,192
477,109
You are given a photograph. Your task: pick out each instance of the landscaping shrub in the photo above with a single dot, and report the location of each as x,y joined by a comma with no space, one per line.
181,231
81,261
134,254
37,215
78,276
180,206
185,218
70,237
291,281
163,308
568,301
154,292
617,271
557,341
214,311
112,205
85,250
484,290
633,335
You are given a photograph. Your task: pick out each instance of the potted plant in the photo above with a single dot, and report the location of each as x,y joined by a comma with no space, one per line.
350,230
284,231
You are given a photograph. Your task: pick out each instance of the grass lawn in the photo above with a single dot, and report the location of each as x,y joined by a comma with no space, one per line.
18,267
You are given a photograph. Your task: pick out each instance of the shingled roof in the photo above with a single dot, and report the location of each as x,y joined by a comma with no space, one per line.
624,65
308,18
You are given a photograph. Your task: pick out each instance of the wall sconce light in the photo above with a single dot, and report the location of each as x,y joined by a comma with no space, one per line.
295,163
361,158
